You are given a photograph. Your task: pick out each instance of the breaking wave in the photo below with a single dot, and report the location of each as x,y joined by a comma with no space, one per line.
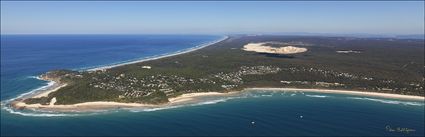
389,101
42,114
266,95
317,96
178,106
150,109
33,77
211,102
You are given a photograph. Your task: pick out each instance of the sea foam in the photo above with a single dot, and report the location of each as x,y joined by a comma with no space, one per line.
317,96
389,101
177,106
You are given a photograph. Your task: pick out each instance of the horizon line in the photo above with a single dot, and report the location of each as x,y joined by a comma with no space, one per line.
253,33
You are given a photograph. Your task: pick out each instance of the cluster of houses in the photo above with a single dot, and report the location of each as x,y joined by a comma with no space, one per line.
133,87
236,77
386,84
320,83
330,73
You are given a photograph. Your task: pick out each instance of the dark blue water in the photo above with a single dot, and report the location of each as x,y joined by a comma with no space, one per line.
273,112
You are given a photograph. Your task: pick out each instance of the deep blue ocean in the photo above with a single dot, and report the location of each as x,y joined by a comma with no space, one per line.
253,113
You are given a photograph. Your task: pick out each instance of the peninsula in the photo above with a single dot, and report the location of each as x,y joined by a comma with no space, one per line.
387,67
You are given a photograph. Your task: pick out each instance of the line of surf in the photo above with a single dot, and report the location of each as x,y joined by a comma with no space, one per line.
199,99
349,92
386,101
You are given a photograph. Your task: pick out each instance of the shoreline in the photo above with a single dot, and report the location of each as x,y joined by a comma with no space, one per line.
349,92
104,105
52,88
201,46
193,97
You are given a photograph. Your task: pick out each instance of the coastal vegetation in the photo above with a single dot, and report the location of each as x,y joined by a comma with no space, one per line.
383,65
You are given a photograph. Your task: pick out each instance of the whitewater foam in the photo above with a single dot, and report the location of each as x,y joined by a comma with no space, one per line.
151,109
317,96
177,106
40,114
266,95
389,101
211,102
33,77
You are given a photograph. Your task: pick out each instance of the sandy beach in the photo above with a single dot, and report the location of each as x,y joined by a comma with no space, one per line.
193,97
53,88
98,105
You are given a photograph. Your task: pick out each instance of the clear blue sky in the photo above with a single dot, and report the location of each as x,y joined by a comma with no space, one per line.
77,17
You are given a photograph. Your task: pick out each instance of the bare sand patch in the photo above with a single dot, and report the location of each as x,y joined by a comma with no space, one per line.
262,48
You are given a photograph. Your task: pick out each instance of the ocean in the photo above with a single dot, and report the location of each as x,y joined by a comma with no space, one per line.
252,113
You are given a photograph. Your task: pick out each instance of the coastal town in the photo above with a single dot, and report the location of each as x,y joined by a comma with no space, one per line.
129,87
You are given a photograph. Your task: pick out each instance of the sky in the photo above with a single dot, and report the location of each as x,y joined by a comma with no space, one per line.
138,17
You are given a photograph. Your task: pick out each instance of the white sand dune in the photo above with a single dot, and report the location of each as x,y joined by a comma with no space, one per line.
260,47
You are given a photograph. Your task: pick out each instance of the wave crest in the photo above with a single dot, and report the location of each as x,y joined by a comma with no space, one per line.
317,96
178,106
389,101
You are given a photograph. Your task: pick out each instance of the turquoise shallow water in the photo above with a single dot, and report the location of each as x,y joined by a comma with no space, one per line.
249,113
273,113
